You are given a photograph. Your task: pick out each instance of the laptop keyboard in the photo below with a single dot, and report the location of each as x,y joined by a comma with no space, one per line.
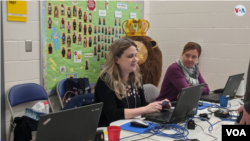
211,97
164,116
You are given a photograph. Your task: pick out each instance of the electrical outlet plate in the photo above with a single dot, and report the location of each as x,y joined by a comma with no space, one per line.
28,46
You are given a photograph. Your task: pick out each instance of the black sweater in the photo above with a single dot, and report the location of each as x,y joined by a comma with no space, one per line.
113,108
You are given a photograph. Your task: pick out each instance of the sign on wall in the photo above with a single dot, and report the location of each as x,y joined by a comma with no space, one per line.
17,11
76,36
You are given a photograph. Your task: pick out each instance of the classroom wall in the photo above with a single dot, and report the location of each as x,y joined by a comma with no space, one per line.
223,36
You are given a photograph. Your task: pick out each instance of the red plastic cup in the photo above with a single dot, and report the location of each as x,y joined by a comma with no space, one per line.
114,133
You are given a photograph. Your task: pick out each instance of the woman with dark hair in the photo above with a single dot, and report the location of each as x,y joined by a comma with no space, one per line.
120,85
183,73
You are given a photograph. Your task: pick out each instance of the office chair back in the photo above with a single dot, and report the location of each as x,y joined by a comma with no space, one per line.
151,92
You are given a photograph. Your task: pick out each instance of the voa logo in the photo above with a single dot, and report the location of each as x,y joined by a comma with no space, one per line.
239,10
236,132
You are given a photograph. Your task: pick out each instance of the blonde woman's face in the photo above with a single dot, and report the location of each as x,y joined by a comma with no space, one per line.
189,58
128,60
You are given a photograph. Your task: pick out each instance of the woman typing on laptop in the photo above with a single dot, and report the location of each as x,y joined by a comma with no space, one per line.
183,73
119,86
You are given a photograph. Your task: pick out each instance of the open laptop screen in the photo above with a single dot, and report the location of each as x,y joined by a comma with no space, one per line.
77,124
232,85
187,102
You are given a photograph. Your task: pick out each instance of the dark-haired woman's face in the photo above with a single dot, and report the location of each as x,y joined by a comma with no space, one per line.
189,58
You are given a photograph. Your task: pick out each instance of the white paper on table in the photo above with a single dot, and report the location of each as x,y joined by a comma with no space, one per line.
235,107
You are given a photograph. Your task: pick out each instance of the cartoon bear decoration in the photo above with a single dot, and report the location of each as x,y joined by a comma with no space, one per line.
151,67
149,54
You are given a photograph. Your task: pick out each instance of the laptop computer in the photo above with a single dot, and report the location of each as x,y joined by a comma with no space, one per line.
186,105
77,124
230,89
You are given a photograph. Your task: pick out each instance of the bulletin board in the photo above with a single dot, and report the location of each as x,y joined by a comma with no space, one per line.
76,36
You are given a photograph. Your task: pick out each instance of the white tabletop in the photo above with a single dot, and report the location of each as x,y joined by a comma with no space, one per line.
193,134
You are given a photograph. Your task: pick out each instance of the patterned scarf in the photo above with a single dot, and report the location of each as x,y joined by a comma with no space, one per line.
191,74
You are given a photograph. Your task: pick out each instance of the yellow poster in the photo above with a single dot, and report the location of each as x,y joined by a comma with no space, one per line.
17,11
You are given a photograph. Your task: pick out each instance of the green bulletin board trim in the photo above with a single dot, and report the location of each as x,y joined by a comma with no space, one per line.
60,59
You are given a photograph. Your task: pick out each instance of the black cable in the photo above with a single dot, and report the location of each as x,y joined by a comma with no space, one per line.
215,138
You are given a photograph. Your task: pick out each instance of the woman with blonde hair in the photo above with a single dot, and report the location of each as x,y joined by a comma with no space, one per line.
119,86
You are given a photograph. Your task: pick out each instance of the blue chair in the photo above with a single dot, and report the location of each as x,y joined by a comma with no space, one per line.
23,93
80,100
76,101
61,90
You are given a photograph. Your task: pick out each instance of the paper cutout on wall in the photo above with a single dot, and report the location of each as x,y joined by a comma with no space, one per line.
55,36
53,68
63,69
74,75
78,57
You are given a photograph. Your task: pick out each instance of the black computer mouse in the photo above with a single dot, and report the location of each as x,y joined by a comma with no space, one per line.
139,123
200,104
165,103
239,118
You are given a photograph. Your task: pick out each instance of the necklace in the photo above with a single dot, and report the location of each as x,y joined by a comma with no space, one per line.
131,91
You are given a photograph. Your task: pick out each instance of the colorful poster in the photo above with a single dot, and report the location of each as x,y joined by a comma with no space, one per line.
91,5
77,35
